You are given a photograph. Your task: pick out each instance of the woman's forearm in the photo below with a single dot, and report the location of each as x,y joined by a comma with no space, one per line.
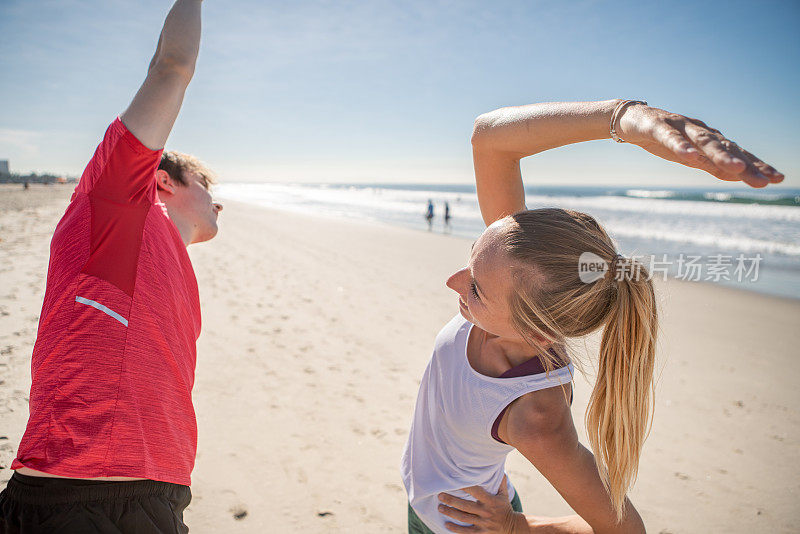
522,131
552,525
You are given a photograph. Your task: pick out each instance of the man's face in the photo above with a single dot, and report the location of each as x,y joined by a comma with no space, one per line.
193,205
204,211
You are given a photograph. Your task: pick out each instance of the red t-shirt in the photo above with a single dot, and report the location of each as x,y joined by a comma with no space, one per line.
114,359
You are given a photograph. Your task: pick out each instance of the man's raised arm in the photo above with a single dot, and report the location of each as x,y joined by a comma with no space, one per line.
155,107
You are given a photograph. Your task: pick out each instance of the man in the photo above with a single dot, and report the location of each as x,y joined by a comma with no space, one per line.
111,438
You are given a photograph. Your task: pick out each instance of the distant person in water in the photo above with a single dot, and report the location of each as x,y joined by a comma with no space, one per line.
429,215
500,377
446,216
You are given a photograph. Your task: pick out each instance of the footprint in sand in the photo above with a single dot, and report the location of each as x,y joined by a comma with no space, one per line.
301,477
239,512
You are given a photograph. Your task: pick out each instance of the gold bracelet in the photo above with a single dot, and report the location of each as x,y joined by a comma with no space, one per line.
616,113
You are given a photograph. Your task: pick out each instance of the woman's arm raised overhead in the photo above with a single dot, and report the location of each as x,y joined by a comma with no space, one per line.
501,138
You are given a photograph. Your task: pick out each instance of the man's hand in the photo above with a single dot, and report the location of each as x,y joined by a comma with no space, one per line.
488,513
692,143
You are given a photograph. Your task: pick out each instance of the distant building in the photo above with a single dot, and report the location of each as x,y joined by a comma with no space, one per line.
4,167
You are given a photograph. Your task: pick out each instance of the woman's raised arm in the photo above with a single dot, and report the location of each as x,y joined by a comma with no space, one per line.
501,138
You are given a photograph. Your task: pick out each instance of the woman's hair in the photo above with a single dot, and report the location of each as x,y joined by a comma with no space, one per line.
550,300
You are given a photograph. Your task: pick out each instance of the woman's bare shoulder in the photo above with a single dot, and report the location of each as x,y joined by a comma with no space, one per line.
542,414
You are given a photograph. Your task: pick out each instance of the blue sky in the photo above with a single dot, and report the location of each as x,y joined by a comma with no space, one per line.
387,91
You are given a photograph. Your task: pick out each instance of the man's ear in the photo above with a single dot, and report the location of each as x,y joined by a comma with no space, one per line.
165,182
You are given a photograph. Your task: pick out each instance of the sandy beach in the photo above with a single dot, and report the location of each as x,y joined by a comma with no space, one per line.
316,332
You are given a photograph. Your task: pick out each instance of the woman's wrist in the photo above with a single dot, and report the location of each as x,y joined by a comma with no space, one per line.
519,524
629,122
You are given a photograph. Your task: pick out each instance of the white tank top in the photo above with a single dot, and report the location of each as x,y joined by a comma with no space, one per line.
450,445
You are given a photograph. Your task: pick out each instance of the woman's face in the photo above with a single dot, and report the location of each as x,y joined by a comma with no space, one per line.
485,284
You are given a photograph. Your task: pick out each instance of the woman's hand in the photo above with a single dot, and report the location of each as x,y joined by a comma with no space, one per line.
488,513
693,143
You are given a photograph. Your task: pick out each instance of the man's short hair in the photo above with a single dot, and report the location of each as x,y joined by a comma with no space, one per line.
176,163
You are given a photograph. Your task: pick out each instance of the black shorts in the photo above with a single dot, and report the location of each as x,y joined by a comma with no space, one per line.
48,505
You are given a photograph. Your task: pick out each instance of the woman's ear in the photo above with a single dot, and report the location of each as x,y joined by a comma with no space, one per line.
164,182
542,339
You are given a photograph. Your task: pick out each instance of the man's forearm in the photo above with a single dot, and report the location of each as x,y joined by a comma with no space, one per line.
152,112
179,42
526,130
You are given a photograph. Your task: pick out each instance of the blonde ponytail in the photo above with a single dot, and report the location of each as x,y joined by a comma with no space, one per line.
550,301
619,415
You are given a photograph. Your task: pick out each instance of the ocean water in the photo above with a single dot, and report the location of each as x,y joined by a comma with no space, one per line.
746,238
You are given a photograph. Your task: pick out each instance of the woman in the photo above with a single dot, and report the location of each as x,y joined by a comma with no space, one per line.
500,377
